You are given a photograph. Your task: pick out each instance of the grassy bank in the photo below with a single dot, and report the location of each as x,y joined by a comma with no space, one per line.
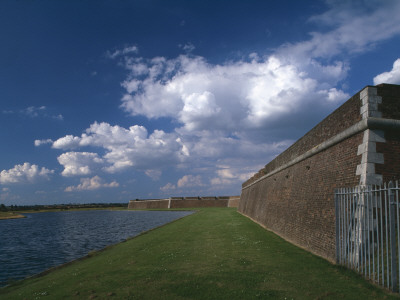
213,254
4,215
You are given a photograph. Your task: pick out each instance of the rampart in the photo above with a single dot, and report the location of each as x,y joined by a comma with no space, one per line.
185,202
359,143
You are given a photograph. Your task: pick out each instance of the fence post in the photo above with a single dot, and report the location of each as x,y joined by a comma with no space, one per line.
337,216
393,250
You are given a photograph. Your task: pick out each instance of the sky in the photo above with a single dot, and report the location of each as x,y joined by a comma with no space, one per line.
107,101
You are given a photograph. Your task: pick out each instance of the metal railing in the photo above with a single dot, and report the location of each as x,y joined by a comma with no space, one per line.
367,232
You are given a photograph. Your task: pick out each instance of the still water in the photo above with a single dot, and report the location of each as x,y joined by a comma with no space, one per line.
43,240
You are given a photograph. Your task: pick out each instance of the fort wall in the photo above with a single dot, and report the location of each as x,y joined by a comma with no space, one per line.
185,202
359,143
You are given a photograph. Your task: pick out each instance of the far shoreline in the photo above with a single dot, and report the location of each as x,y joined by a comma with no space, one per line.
4,216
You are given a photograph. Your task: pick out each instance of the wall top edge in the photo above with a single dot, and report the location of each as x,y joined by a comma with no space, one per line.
216,198
368,123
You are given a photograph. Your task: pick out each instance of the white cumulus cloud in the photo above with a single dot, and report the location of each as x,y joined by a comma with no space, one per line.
124,148
93,183
236,96
24,173
392,76
78,163
43,142
233,117
190,181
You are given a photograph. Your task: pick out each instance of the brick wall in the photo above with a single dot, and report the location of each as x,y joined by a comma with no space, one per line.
293,194
148,204
188,203
185,202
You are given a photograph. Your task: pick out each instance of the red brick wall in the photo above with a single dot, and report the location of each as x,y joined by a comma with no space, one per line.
297,203
185,202
390,106
198,203
149,204
391,155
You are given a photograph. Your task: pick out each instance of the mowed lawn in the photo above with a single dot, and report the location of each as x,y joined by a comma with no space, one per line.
215,253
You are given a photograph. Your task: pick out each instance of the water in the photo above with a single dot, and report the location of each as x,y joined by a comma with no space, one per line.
43,240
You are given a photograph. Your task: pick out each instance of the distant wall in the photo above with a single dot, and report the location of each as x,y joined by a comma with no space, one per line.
359,143
234,201
185,202
148,204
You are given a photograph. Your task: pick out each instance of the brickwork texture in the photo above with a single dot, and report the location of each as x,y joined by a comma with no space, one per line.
297,201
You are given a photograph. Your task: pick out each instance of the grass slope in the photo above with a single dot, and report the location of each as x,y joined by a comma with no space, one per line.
213,254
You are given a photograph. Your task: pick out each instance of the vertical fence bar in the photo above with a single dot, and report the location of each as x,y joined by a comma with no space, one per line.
393,251
374,193
368,232
362,228
342,200
351,223
398,229
337,216
382,246
354,229
364,215
371,201
347,227
387,237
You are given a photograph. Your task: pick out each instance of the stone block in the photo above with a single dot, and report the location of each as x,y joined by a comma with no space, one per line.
374,136
372,157
366,147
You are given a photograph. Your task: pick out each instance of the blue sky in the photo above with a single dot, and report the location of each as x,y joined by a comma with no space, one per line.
106,101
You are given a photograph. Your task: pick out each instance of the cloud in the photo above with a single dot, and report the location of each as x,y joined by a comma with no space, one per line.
185,182
33,111
190,181
168,187
36,112
188,48
153,174
239,113
353,27
234,97
24,173
43,142
94,183
392,76
78,163
124,148
121,52
233,117
226,175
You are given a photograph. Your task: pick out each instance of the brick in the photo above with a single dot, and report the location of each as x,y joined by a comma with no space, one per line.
298,203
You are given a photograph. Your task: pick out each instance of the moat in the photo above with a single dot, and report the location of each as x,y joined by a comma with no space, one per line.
43,240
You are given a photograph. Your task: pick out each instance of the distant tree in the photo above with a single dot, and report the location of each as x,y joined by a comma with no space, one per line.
3,207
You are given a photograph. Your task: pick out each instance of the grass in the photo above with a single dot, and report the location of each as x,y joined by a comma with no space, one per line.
10,215
213,254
